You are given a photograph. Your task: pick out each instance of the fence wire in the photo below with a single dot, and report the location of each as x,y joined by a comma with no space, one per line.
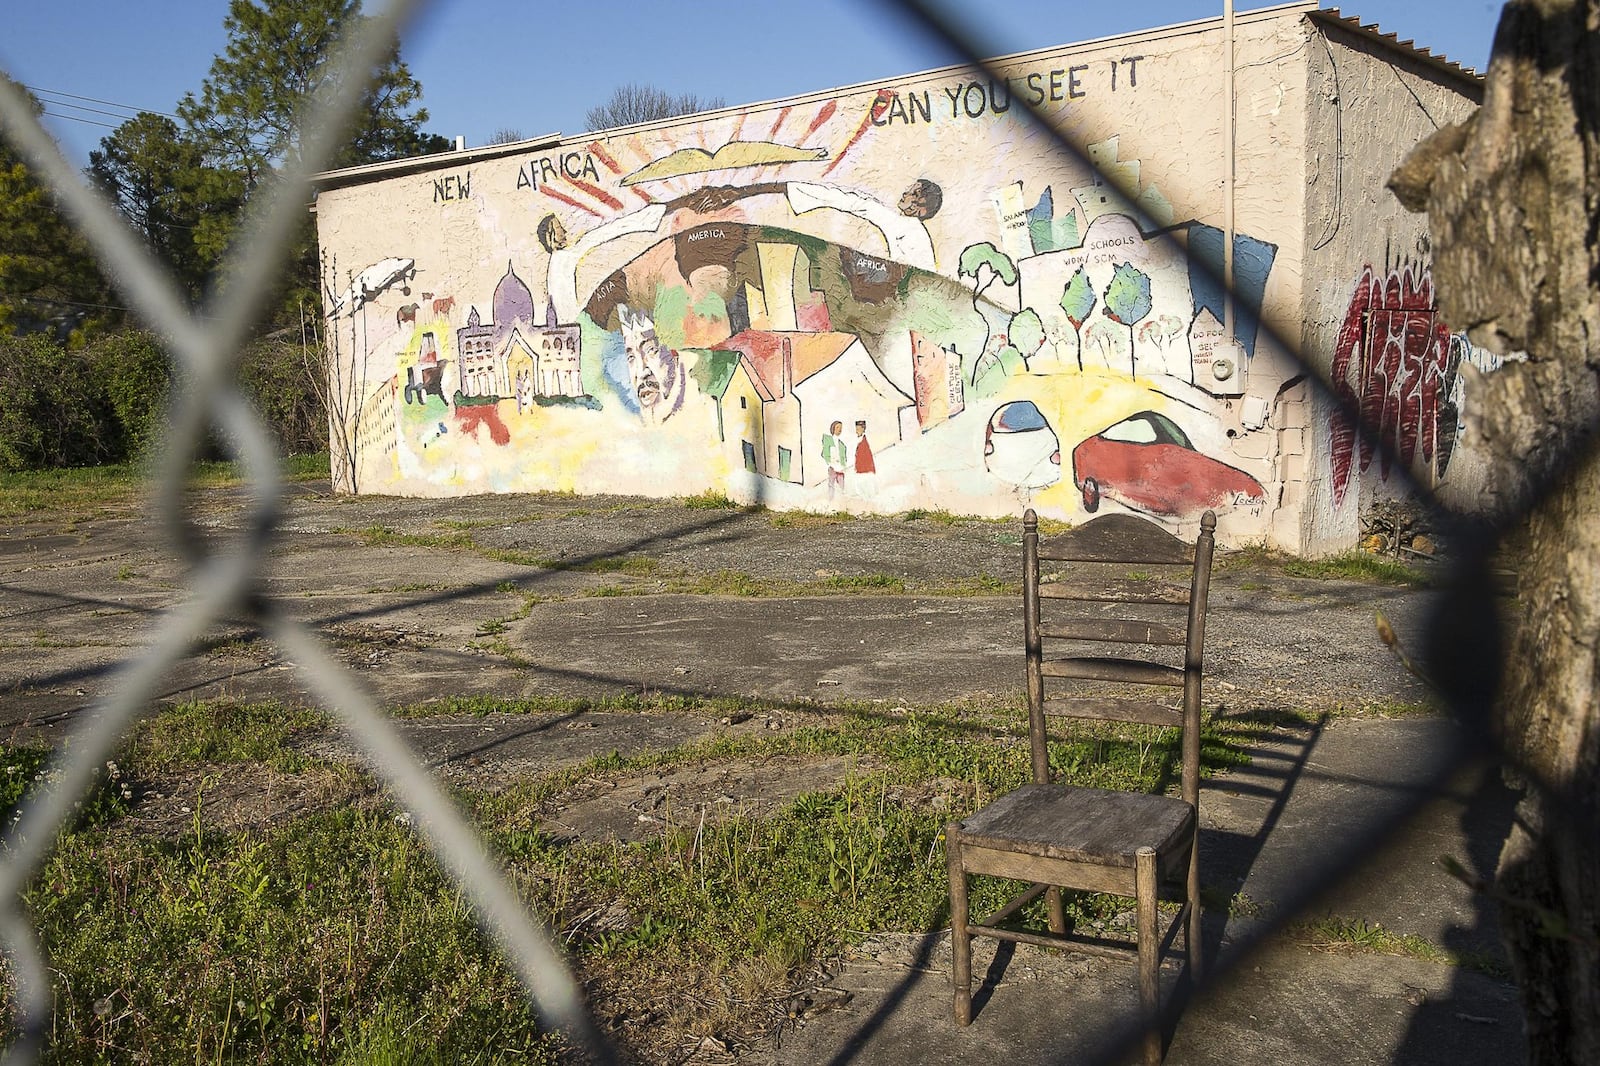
225,582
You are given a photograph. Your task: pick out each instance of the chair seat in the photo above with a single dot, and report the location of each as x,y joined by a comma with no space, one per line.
1085,825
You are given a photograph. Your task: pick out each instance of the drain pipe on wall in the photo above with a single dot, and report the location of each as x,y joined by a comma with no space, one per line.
1227,178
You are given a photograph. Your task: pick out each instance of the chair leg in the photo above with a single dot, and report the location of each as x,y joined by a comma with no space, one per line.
1058,915
1192,941
1145,884
960,941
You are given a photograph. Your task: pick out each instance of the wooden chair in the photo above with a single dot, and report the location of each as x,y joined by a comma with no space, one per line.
1059,836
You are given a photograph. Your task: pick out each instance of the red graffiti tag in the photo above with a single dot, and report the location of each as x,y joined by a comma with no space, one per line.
1389,364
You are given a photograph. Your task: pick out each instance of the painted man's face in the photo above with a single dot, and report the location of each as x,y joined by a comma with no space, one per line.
553,234
914,201
646,368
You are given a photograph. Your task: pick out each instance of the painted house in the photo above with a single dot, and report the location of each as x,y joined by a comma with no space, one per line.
803,383
918,253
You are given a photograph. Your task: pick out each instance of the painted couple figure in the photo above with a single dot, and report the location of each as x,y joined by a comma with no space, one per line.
839,456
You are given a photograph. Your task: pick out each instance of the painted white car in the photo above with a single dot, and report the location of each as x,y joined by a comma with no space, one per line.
1020,447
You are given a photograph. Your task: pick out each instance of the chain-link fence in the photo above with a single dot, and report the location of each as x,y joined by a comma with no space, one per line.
224,581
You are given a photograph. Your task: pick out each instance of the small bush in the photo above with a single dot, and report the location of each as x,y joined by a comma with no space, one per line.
136,375
106,403
56,411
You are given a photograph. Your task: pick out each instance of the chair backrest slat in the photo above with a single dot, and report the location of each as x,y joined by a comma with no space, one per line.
1117,590
1117,538
1118,671
1116,631
1142,712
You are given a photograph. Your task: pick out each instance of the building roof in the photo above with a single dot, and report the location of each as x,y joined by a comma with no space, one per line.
763,350
335,179
1334,17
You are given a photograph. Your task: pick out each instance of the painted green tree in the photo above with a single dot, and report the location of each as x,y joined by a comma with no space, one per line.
1127,301
1077,303
1026,333
984,263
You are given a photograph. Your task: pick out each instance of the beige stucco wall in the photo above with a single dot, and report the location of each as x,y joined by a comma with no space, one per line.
658,243
1369,106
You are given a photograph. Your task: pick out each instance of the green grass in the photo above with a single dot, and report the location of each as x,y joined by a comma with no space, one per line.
84,492
1352,565
312,466
938,517
712,500
1357,566
333,936
1335,933
80,491
195,734
807,519
299,945
867,582
26,768
382,537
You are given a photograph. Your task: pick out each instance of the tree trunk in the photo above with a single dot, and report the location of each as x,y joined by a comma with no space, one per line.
1513,199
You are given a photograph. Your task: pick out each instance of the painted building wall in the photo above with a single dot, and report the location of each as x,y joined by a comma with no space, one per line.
1370,316
694,305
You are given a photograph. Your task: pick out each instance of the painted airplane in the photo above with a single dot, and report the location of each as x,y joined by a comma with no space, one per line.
378,278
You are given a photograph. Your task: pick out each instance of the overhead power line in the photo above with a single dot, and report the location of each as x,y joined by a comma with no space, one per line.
97,100
91,110
24,298
76,118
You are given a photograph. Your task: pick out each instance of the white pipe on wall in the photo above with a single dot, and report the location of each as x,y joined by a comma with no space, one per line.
1227,173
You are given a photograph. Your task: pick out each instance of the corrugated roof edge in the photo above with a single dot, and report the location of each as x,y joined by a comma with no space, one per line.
1334,17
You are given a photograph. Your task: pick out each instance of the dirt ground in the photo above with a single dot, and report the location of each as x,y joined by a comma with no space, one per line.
431,598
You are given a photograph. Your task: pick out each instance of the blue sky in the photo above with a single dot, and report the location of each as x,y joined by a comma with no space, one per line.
536,66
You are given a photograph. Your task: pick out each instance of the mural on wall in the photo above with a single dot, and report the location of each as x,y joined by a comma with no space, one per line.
1149,464
1398,363
794,308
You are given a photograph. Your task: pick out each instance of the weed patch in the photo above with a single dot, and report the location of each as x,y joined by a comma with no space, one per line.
808,519
712,500
381,536
872,582
25,769
284,946
224,732
1358,566
1333,933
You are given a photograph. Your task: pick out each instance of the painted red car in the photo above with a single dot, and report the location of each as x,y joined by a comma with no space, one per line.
1147,463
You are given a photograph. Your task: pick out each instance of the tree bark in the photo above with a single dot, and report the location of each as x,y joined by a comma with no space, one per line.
1513,202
